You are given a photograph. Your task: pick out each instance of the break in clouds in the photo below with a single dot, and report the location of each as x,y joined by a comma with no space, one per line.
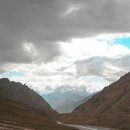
32,32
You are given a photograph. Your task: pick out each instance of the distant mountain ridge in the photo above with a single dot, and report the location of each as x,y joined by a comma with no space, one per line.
19,92
69,105
65,99
109,108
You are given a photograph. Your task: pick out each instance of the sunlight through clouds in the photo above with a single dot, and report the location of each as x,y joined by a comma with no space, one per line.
79,49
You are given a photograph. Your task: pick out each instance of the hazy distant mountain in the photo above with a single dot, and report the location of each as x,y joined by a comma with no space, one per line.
69,104
65,99
110,107
19,92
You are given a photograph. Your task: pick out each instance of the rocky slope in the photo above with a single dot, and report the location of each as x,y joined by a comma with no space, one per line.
110,107
22,108
18,116
19,92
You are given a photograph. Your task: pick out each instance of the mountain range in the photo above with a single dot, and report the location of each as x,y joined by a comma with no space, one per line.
65,99
108,108
22,108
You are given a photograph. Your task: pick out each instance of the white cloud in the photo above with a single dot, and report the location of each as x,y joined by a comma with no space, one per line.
78,49
70,10
30,49
81,59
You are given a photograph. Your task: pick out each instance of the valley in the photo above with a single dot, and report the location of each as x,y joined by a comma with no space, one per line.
64,64
22,108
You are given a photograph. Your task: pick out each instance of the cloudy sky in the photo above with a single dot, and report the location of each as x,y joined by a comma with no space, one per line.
53,43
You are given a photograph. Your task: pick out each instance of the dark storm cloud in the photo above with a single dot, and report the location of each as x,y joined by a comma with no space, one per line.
110,68
44,22
26,20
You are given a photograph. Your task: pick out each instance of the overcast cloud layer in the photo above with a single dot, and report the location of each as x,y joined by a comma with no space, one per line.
38,34
43,22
